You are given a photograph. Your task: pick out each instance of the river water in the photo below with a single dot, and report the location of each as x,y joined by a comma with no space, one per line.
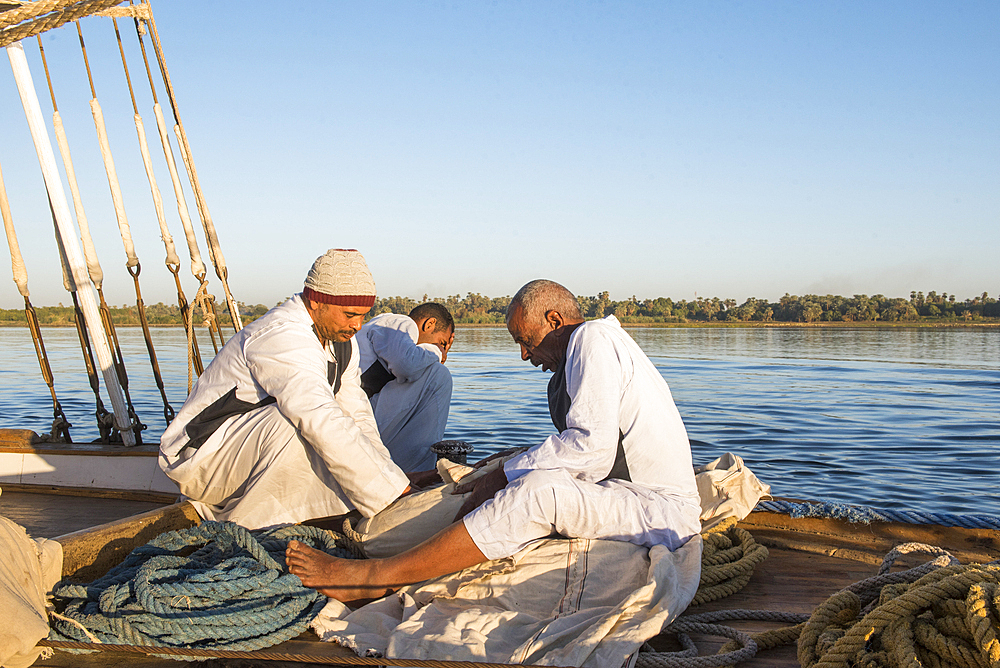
890,418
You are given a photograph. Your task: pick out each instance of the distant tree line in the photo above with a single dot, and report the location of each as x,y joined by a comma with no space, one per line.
475,308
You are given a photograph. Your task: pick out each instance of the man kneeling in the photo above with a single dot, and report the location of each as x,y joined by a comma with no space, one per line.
619,468
403,374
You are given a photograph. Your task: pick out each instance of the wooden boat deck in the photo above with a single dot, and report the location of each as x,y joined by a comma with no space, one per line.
47,515
809,561
789,580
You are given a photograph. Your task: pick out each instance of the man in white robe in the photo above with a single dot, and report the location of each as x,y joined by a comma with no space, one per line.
277,430
403,374
619,468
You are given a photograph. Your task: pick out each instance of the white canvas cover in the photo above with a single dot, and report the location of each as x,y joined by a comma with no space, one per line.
558,602
28,570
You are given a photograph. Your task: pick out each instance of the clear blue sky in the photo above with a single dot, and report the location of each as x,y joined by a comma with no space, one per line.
728,149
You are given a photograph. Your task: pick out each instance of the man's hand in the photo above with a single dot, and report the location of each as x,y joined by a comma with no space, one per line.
482,489
422,479
447,346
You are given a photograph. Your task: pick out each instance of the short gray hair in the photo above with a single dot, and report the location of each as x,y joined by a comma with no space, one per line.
542,295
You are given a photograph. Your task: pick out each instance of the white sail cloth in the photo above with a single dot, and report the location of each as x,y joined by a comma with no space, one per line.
411,410
558,602
28,570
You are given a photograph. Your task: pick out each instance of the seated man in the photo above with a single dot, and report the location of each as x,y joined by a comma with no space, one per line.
277,430
403,374
619,468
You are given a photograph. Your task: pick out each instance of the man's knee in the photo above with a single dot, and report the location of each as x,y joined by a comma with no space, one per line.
539,492
439,378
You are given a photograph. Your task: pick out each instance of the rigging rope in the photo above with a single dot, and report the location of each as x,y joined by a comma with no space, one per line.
173,263
74,271
168,411
93,264
211,236
59,431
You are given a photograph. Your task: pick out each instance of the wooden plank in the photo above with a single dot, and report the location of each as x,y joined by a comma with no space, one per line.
89,449
18,438
787,581
306,644
162,498
51,515
868,542
89,553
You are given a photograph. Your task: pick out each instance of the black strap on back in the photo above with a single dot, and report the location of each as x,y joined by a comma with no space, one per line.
559,403
342,355
375,378
212,416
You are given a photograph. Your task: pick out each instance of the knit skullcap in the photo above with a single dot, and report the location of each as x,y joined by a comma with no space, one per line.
340,276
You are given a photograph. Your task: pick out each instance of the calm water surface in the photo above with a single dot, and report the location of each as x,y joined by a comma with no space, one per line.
887,418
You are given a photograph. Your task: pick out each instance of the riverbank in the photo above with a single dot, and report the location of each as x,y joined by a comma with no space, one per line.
988,323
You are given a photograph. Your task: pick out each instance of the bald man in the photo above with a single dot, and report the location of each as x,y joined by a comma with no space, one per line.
619,467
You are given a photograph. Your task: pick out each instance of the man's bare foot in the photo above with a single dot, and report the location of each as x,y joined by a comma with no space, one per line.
347,580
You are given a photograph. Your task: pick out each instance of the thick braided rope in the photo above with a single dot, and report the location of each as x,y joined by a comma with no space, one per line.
213,586
37,17
983,619
728,558
866,515
948,616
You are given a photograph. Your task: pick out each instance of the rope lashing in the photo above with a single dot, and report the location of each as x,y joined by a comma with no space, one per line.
232,591
865,515
202,300
34,18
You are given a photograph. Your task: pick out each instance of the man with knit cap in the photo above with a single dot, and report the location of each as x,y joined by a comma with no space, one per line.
278,430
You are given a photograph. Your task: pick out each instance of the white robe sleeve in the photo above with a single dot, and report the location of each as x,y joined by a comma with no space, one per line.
290,365
405,359
596,376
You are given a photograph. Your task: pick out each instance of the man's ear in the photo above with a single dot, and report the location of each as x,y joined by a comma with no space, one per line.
428,324
554,319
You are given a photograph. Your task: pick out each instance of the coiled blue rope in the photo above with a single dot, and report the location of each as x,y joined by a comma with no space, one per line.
865,515
213,586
